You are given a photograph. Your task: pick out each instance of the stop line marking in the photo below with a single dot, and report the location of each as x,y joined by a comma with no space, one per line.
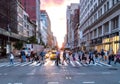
53,82
15,83
88,82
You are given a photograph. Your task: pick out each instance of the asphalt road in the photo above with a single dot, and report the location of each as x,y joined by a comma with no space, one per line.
49,73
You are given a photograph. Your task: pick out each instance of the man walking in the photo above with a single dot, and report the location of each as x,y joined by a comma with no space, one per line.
11,58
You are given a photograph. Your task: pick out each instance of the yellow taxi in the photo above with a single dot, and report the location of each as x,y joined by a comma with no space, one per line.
53,55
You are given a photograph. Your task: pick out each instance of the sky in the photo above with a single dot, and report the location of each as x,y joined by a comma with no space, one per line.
56,10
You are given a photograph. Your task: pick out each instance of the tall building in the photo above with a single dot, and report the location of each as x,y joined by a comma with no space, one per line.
100,24
33,9
72,23
9,30
46,21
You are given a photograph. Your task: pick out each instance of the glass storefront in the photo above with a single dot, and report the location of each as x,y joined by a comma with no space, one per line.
106,44
115,44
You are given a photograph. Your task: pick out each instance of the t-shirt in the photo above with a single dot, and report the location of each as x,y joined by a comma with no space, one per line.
11,56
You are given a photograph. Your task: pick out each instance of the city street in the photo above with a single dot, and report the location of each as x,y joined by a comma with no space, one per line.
49,73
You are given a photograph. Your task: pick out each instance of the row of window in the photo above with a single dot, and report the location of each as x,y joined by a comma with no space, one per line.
99,13
105,28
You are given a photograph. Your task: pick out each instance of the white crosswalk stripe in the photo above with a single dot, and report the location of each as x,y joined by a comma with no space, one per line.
78,63
26,64
52,63
4,64
72,63
17,64
46,63
65,64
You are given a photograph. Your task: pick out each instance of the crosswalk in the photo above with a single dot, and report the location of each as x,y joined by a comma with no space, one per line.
52,63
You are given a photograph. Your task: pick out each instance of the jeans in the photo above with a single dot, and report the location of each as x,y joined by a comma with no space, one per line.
11,61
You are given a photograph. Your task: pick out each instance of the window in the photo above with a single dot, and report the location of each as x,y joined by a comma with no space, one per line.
100,30
100,12
106,27
95,17
115,22
105,8
114,2
91,35
95,6
108,5
95,32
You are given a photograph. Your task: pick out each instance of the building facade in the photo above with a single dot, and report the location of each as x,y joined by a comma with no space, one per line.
33,9
46,21
100,24
72,22
9,30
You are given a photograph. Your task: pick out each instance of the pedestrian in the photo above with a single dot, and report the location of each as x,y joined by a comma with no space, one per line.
23,56
117,57
73,55
79,55
67,57
33,56
42,54
58,58
96,55
64,57
84,58
106,55
91,57
11,58
110,56
28,54
102,54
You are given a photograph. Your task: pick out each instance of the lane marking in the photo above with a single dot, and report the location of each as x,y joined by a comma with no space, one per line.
17,64
32,64
81,73
70,78
30,73
53,63
106,72
78,63
18,83
54,73
25,64
46,63
53,82
65,64
66,77
38,64
106,64
88,82
72,63
4,64
98,64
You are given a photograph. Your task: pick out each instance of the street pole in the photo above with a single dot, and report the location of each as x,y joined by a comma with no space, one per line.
8,43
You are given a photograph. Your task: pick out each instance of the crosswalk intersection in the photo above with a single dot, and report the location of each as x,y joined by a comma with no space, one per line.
51,63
